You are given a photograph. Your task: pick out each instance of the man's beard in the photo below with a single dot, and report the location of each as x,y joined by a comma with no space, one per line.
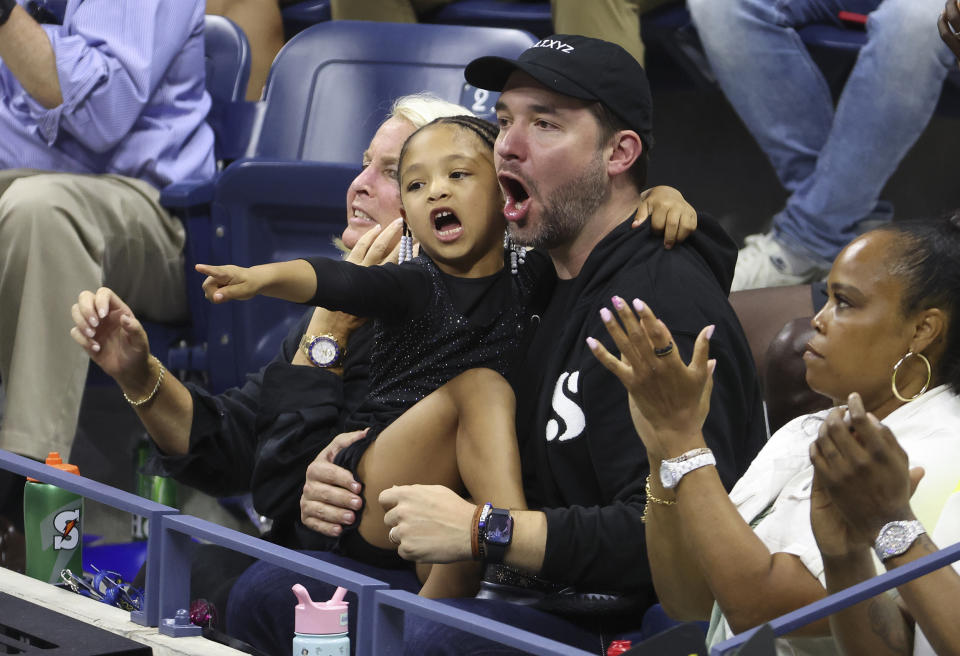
565,213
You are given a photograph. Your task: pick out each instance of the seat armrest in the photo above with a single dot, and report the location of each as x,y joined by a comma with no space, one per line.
189,193
281,183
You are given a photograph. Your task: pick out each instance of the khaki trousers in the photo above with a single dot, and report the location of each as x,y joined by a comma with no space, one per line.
60,234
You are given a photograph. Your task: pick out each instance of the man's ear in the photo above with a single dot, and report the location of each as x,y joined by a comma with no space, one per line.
929,329
626,147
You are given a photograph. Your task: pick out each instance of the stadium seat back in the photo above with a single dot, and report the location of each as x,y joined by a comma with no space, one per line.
331,85
329,89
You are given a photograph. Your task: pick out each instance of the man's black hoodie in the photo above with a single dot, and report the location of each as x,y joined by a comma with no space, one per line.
583,463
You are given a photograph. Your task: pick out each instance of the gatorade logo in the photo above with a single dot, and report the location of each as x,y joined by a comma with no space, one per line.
67,525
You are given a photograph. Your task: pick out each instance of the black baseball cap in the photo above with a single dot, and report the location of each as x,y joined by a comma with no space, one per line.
580,67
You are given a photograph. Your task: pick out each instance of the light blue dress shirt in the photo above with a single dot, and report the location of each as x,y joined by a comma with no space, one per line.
134,103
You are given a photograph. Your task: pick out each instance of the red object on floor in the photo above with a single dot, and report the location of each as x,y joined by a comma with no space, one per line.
852,17
618,647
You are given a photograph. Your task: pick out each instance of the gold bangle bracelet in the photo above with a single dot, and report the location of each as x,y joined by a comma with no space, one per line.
156,388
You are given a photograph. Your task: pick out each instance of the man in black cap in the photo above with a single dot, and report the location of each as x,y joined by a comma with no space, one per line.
575,118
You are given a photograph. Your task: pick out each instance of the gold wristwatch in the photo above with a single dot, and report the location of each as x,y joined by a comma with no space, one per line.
323,351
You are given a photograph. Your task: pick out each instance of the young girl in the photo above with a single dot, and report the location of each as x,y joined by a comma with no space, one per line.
456,308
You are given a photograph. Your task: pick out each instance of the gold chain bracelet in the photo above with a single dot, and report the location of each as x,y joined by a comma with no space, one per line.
153,393
654,499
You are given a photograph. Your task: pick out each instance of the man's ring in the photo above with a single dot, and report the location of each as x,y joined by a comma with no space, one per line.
393,538
663,351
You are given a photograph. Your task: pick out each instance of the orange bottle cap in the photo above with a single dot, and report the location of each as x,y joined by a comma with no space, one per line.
54,460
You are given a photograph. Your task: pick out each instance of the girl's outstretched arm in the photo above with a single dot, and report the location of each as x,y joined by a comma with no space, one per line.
291,281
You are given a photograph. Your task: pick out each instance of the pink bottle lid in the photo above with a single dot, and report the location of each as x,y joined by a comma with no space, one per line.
320,617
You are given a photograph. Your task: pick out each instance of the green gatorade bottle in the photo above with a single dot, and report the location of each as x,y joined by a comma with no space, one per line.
53,525
156,488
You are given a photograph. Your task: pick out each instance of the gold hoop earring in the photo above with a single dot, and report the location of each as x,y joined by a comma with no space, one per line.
893,378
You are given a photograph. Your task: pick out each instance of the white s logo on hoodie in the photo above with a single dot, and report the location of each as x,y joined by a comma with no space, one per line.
569,420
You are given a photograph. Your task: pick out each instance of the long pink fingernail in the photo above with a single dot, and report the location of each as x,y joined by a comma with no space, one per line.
638,305
710,330
605,315
591,343
617,302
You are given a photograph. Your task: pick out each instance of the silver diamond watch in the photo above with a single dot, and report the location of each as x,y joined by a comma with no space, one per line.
896,537
673,469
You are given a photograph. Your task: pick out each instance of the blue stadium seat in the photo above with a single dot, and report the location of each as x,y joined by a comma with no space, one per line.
328,91
227,56
530,15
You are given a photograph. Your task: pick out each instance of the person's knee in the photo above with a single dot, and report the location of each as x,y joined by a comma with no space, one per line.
481,377
906,22
900,29
711,13
481,383
34,207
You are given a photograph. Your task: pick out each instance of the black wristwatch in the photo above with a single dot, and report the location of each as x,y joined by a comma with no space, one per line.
6,8
497,535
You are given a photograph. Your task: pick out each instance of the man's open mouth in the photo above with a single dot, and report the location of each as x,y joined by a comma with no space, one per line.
516,198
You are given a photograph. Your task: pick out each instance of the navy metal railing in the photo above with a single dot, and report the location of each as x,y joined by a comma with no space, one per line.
380,610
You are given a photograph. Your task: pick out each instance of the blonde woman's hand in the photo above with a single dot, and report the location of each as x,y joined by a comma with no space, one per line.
106,328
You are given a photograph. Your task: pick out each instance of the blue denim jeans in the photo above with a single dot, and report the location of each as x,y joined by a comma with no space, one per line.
833,162
423,637
260,612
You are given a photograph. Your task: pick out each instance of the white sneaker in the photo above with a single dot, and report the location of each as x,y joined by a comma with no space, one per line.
765,262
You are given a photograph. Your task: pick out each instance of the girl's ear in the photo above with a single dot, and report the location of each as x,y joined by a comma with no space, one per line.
403,214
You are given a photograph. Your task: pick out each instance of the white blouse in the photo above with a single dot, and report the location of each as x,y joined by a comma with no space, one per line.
778,481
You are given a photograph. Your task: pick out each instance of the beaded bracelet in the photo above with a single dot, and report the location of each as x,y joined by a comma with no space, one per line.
475,532
153,393
482,530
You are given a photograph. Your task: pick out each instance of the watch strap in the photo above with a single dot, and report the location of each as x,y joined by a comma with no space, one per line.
672,470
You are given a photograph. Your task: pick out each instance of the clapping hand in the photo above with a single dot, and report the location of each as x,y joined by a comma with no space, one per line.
669,400
862,480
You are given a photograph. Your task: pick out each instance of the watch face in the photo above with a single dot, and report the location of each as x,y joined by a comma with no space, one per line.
499,528
668,476
896,537
323,351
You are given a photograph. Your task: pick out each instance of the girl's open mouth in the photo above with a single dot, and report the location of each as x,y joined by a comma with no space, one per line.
446,225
